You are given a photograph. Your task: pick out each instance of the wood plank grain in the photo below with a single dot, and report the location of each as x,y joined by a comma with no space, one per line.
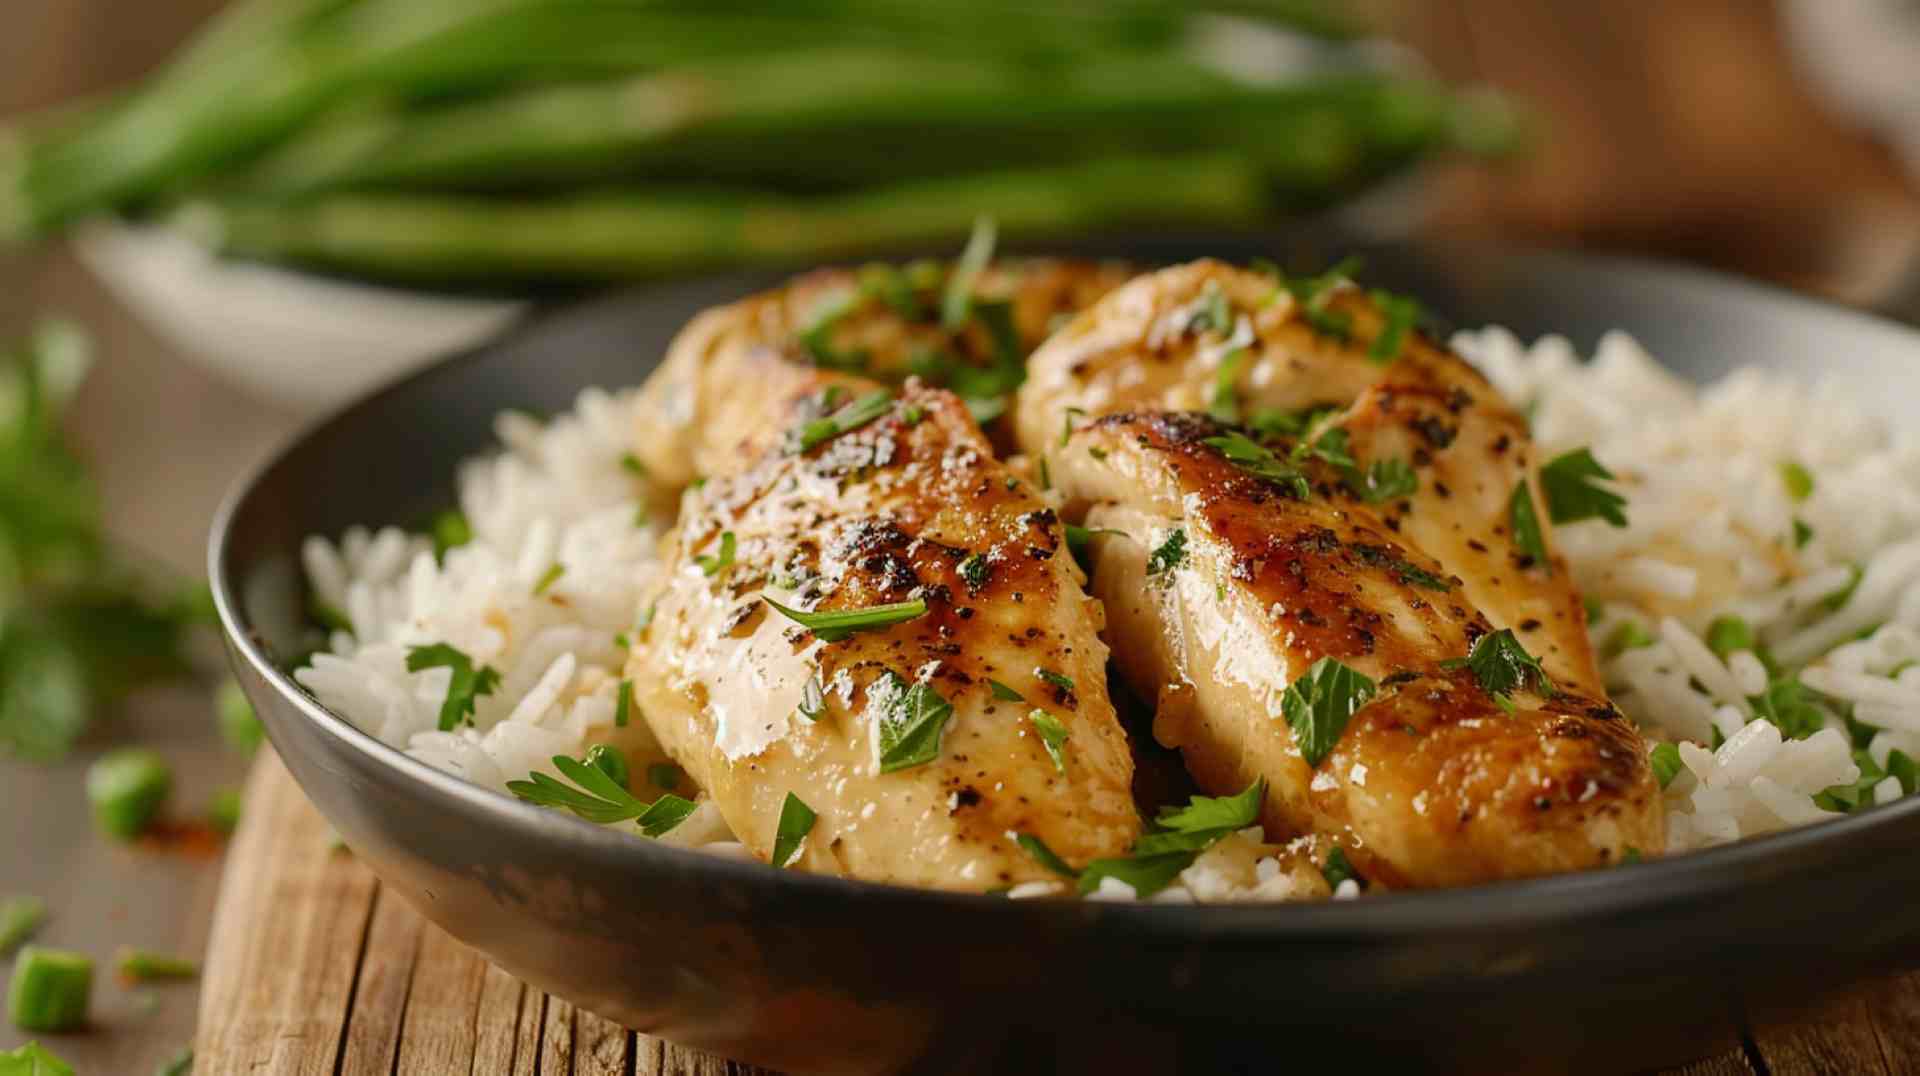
1837,1037
287,940
1731,1063
526,1049
380,996
443,1007
497,1022
556,1041
600,1046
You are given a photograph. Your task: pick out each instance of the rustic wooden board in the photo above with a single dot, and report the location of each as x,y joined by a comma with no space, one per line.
314,969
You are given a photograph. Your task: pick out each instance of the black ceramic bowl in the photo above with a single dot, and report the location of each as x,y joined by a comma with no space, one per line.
1618,969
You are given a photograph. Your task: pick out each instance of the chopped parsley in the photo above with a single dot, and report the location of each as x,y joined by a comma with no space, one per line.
796,821
1630,856
1319,704
1078,537
599,799
1802,533
1729,634
1255,459
1060,681
631,464
623,705
1384,480
1569,483
1403,569
1210,311
818,431
1665,760
463,687
1798,480
1331,447
956,304
831,626
548,578
1339,870
974,571
20,917
913,414
1862,792
1169,554
664,775
1502,666
1005,693
1398,314
450,530
1066,423
1527,536
1224,405
1628,636
1792,707
813,698
1274,422
1174,840
1053,736
1833,602
911,720
817,338
712,564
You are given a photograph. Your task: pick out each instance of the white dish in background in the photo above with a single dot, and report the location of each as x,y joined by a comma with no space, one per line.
309,342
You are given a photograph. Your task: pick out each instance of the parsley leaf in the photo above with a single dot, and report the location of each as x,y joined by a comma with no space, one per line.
1005,693
1791,706
1802,533
1319,704
1527,536
816,338
623,704
1398,314
664,775
1798,480
974,571
1053,736
1060,681
1043,855
466,684
956,304
1403,569
1170,846
818,431
796,821
599,798
712,564
1224,405
449,530
1568,481
911,720
1257,460
1339,870
1665,760
1502,666
1384,480
1330,446
1169,554
1274,422
549,577
831,626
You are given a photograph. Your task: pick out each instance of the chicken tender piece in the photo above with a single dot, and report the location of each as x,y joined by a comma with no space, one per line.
919,767
1207,336
1223,588
710,392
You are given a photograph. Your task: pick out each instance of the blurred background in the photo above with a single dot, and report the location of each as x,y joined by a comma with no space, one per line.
255,211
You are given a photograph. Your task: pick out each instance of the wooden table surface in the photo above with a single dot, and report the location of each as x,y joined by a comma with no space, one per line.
165,439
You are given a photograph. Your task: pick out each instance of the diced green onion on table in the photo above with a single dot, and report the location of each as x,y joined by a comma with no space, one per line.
239,726
20,916
127,788
141,965
33,1059
51,990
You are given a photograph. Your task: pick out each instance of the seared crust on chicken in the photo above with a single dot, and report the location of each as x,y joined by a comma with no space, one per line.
1209,336
910,505
710,392
1433,782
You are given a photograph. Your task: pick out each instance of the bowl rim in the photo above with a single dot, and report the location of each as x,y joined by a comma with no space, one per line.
1543,901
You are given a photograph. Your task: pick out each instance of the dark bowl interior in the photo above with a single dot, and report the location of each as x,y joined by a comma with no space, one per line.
1611,970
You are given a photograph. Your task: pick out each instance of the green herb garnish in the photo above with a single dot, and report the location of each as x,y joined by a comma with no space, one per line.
450,530
1833,602
1568,481
1171,844
796,821
631,464
1728,635
51,990
831,626
239,726
712,564
1384,480
623,704
1527,536
1169,554
20,916
1224,405
817,337
1398,314
1792,707
1060,681
223,810
1004,693
1502,666
1339,870
815,432
1319,704
141,965
609,760
956,303
465,685
1053,736
1665,760
599,799
1798,480
33,1059
974,571
1628,636
911,720
1802,534
664,776
1255,459
813,698
127,788
1066,423
548,578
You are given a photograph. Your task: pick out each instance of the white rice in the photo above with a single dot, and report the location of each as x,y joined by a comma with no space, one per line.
1712,532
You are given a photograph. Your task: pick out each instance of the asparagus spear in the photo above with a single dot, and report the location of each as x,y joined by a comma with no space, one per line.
844,118
604,236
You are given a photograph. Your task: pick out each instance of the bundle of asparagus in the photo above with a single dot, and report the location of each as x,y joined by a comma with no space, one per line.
488,140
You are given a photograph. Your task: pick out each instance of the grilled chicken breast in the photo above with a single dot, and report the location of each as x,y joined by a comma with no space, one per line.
1208,336
918,766
884,323
1222,588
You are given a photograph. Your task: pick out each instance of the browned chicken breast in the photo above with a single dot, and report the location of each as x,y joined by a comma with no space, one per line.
880,322
1283,630
935,682
1435,450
